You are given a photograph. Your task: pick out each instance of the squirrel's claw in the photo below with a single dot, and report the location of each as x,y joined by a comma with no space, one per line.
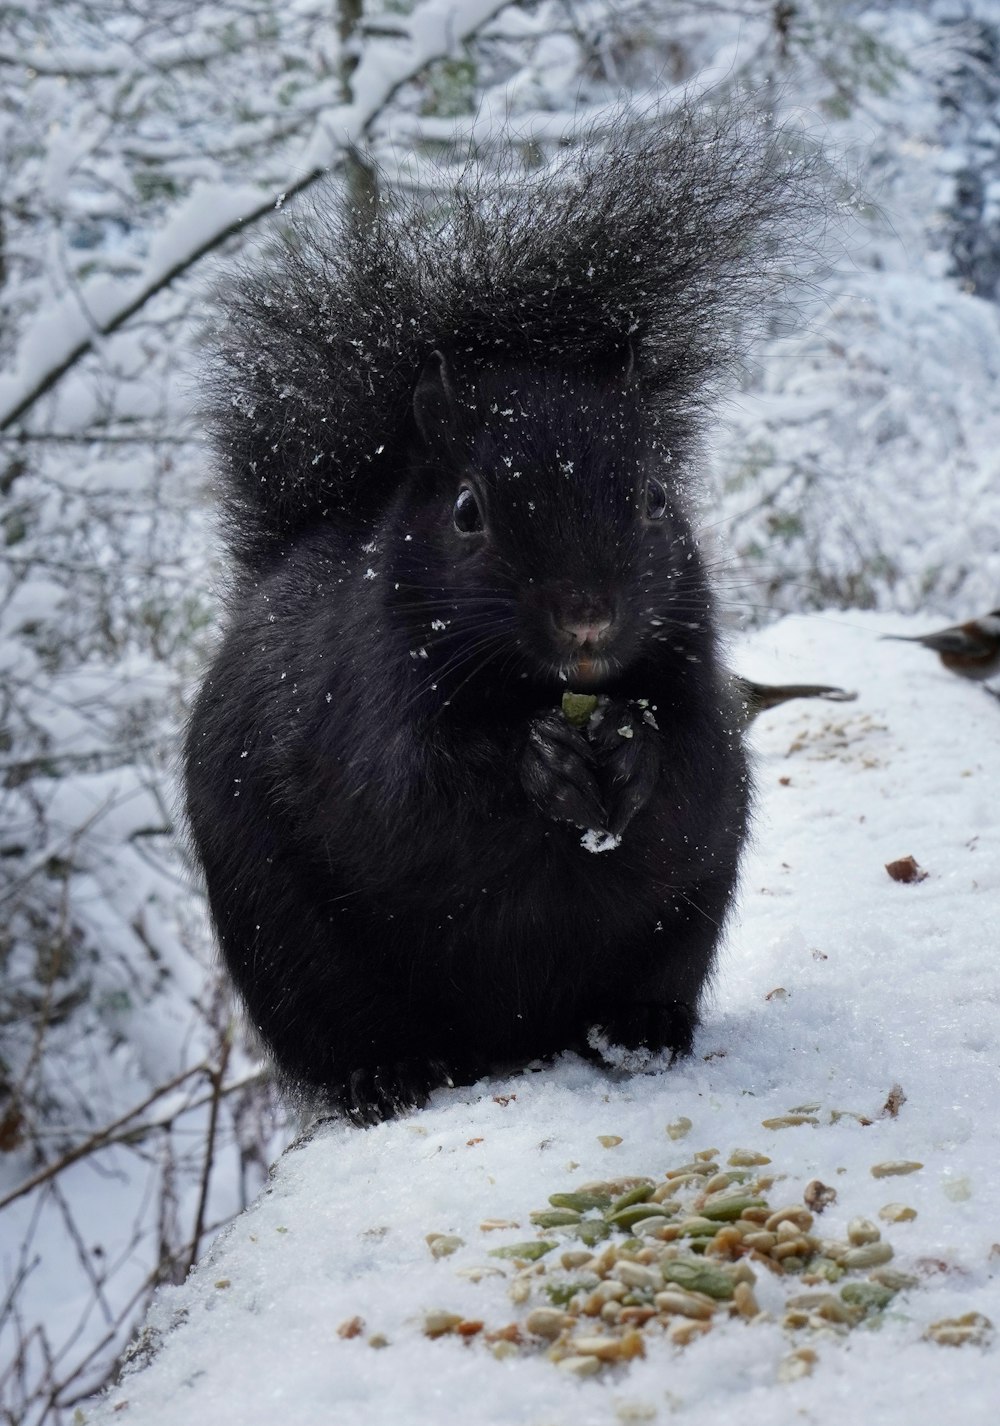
628,756
652,1025
558,774
372,1095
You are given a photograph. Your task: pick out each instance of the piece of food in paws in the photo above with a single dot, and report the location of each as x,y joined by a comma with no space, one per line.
578,707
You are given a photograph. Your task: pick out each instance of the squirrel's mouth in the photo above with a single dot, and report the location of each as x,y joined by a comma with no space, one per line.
587,670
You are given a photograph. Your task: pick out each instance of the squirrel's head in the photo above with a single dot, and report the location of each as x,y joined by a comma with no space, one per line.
542,537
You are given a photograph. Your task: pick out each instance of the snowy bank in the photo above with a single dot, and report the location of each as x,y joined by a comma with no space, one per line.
837,983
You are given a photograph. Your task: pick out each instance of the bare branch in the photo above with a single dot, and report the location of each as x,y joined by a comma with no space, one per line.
101,1139
218,1077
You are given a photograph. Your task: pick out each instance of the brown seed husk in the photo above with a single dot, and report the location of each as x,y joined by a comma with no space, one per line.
794,1213
894,1167
798,1365
686,1304
438,1322
746,1158
869,1255
819,1195
744,1300
972,1328
442,1245
861,1231
547,1322
580,1365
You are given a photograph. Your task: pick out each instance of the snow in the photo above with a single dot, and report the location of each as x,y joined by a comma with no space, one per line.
883,984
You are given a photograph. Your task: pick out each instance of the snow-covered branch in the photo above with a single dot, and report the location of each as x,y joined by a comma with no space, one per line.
60,336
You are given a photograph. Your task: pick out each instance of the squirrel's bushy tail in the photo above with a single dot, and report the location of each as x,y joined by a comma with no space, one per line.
666,233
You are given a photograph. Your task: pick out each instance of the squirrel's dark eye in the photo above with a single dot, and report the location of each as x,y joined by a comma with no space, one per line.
467,514
656,500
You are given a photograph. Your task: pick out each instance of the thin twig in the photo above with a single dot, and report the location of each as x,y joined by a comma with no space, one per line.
101,1139
218,1076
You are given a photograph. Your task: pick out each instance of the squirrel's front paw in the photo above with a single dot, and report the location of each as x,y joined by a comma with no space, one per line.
627,748
558,773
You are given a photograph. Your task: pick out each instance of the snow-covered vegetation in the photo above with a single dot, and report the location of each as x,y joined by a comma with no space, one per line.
143,147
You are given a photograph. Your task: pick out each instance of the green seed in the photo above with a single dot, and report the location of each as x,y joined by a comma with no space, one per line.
697,1227
581,1202
531,1252
640,1194
872,1296
555,1217
561,1294
729,1206
698,1277
590,1231
639,1212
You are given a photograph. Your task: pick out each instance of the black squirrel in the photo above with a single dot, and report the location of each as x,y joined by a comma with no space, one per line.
456,444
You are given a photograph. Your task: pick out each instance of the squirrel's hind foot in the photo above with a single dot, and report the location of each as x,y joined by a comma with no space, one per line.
652,1026
383,1091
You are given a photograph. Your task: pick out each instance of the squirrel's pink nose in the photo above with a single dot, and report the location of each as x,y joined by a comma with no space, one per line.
593,632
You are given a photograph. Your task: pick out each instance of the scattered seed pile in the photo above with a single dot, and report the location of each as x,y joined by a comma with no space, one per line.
620,1261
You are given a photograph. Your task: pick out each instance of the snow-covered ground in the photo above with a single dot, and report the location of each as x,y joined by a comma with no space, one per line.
837,983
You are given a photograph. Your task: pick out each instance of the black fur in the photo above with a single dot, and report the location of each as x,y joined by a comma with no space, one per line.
387,801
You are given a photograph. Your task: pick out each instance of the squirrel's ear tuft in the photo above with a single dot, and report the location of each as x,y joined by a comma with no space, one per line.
434,401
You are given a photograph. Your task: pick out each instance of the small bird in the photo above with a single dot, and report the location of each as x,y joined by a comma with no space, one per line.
971,649
759,697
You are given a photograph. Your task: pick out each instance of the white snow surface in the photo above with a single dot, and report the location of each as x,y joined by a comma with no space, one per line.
885,984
